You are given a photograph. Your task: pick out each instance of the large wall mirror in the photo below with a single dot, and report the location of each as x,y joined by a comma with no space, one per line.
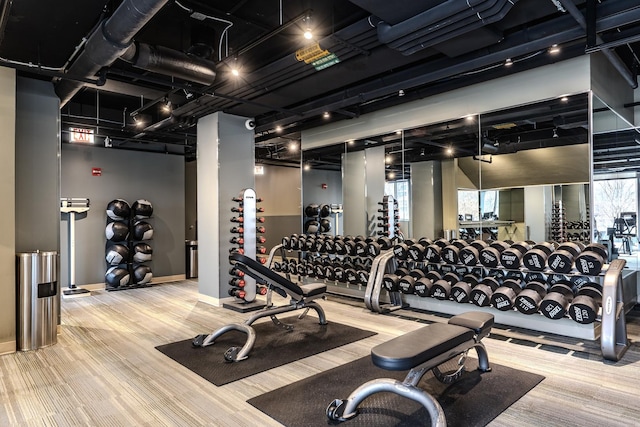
503,174
616,164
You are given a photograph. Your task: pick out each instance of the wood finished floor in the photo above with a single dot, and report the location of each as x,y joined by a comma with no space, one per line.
104,371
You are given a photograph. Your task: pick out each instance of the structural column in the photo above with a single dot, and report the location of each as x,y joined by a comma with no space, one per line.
226,161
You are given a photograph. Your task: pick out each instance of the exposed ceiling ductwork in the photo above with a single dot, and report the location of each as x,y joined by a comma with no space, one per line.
448,20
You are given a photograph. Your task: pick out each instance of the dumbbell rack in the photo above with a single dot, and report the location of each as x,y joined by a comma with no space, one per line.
558,231
611,327
319,261
388,221
245,233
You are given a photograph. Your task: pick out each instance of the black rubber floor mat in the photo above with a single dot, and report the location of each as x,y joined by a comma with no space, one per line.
273,347
474,400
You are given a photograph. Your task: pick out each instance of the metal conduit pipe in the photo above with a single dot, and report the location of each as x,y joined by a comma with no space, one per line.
108,42
613,57
164,60
388,33
468,16
462,27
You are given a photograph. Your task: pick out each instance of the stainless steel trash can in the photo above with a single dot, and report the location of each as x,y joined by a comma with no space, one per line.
38,299
191,259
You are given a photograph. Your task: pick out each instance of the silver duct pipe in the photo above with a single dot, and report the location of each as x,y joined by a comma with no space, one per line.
609,53
108,42
441,23
171,62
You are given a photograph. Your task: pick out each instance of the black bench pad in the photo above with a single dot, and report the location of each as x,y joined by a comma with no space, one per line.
475,320
313,289
410,350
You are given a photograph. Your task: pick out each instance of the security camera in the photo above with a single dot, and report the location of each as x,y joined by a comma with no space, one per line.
250,124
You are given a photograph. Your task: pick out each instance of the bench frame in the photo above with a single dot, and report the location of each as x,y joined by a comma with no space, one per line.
274,282
342,410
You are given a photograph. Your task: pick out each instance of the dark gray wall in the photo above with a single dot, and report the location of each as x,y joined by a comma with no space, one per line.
314,193
191,200
128,175
280,189
37,166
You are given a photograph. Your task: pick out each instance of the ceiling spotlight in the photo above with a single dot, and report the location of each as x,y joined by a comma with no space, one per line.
388,159
555,132
235,72
293,146
401,92
508,62
422,151
326,115
187,94
564,99
166,106
307,29
392,175
278,128
449,151
554,49
307,166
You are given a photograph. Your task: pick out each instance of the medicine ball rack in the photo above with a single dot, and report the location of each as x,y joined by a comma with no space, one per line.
130,264
610,326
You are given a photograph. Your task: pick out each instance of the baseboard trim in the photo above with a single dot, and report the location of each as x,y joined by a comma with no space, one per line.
8,347
216,302
154,281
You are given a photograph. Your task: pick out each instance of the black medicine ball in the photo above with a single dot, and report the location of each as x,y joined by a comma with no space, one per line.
142,230
142,252
142,274
118,210
116,231
117,254
142,209
116,277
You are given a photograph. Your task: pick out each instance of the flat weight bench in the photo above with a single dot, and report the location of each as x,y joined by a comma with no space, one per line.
302,297
421,351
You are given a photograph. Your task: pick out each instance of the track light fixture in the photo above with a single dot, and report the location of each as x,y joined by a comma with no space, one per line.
555,132
166,106
508,62
308,34
554,49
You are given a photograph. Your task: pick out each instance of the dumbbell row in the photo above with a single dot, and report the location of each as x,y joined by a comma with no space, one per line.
588,260
326,269
340,245
554,301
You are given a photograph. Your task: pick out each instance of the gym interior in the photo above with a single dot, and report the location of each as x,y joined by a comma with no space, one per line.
424,213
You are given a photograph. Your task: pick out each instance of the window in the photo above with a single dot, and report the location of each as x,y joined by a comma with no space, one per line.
611,198
400,191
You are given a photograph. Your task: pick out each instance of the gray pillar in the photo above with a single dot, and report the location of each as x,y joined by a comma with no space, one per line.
375,178
353,193
426,199
225,167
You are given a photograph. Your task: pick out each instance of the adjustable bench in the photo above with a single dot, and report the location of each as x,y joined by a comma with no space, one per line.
421,351
302,297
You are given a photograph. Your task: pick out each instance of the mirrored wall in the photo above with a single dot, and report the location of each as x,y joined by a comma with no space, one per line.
519,173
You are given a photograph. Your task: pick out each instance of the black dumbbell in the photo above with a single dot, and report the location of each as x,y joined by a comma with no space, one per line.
536,258
592,258
422,287
561,260
481,293
401,251
490,256
556,303
470,254
363,277
512,256
441,289
442,243
301,268
293,242
390,282
504,297
350,276
585,306
451,254
432,253
338,274
529,299
330,272
425,241
416,252
408,281
461,291
286,242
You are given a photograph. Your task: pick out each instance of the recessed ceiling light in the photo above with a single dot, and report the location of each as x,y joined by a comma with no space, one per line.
293,146
392,175
307,166
449,151
235,72
326,115
278,128
564,99
554,49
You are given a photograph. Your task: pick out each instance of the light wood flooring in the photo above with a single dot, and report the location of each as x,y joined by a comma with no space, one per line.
104,371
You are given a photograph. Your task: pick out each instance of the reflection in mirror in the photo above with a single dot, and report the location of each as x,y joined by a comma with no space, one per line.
322,185
616,164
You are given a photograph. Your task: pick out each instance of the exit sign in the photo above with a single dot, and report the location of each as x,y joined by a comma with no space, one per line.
81,135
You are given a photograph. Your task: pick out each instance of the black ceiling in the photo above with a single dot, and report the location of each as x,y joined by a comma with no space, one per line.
385,49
